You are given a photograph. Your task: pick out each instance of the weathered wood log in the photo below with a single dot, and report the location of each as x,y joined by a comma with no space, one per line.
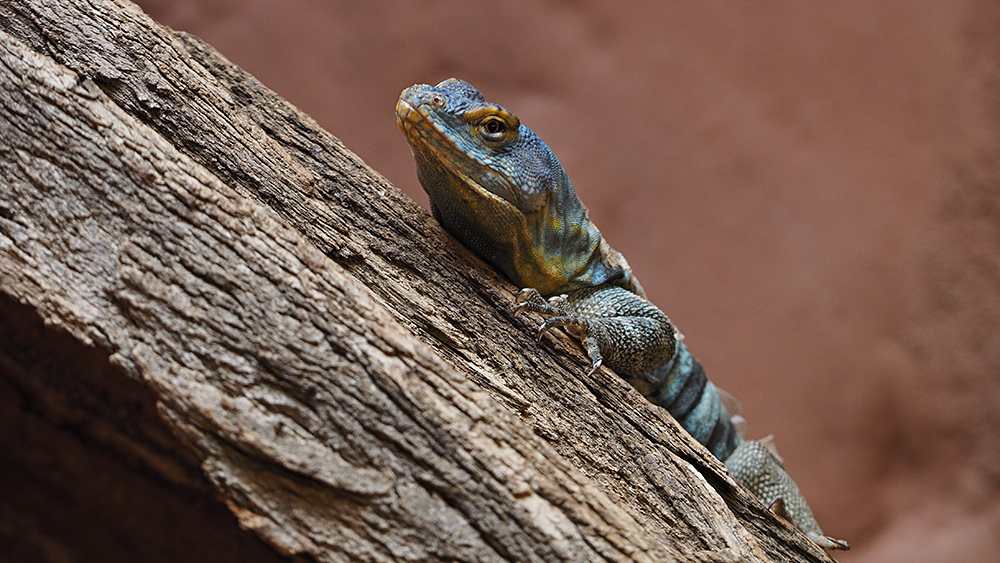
348,378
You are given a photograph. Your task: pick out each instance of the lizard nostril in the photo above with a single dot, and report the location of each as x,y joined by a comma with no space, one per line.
438,100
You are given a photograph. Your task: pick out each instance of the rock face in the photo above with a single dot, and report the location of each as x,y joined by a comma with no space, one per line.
811,193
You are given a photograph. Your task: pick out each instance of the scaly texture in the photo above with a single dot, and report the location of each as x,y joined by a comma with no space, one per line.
501,191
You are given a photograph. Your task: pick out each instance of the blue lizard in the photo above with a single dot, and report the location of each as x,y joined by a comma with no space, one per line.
501,191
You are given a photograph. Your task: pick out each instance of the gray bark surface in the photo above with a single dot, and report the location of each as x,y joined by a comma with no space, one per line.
210,292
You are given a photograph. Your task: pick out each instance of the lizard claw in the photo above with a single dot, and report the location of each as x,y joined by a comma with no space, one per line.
529,294
594,351
548,325
523,300
829,543
779,509
574,324
580,328
528,299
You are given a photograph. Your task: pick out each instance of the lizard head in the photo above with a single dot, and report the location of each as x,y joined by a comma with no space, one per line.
501,191
453,130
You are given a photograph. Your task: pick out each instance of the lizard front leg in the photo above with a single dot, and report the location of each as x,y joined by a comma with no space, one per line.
618,328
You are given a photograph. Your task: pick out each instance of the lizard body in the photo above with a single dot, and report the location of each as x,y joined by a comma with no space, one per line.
501,191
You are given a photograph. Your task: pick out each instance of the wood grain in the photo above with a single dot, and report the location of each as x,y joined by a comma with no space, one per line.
349,378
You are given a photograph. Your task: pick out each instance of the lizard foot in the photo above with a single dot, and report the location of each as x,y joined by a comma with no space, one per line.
529,299
827,542
759,470
582,329
779,509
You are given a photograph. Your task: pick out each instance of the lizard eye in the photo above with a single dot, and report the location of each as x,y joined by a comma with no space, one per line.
494,128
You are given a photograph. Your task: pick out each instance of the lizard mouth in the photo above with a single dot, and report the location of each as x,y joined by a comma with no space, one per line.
415,118
434,139
405,113
416,123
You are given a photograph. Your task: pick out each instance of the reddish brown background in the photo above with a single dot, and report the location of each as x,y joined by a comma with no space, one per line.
809,189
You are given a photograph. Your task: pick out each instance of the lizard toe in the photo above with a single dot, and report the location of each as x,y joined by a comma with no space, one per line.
529,294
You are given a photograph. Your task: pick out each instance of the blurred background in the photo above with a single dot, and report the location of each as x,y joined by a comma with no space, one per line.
810,190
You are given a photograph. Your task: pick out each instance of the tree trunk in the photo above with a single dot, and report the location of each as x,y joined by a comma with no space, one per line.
205,295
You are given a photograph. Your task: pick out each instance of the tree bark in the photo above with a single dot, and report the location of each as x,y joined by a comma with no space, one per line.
206,295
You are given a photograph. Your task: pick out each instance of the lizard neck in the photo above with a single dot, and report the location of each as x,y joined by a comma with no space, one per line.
553,249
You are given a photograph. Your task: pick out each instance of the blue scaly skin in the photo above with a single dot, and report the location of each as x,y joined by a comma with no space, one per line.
501,191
